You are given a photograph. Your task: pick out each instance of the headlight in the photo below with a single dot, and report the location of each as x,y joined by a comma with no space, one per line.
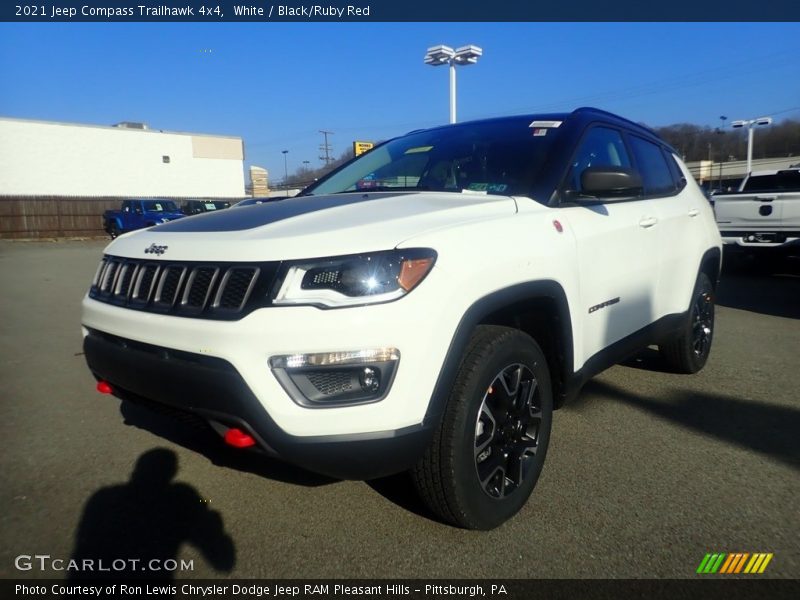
355,279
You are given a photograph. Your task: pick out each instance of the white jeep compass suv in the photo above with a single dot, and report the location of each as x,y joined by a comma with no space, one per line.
425,307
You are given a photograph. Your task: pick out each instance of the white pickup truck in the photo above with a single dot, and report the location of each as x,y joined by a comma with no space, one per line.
763,214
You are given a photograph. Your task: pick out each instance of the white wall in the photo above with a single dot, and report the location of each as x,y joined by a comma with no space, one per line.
40,158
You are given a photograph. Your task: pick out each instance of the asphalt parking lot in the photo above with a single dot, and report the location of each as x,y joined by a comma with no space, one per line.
646,473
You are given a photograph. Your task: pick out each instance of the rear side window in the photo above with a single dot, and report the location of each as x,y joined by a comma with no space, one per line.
652,166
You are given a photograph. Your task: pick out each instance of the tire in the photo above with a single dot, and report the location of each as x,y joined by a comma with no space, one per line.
688,352
489,449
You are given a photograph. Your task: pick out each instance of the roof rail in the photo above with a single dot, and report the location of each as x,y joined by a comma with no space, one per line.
591,109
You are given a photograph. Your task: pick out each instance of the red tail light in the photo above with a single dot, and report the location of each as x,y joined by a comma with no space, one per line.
104,387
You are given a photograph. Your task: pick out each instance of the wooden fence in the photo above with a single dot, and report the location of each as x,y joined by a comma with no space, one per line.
24,217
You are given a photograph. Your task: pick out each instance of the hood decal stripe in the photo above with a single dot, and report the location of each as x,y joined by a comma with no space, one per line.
250,217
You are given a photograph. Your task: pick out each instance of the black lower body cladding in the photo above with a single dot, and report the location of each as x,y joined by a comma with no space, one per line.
212,389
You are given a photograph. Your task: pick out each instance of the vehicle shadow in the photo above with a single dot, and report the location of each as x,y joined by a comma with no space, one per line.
765,428
194,434
399,490
648,359
134,530
769,287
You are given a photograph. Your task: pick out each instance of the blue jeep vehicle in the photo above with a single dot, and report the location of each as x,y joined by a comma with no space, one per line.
136,214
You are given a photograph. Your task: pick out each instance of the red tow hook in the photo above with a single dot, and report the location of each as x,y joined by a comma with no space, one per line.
104,387
238,438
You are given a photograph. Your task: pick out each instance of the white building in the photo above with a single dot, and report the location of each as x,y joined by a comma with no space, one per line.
40,158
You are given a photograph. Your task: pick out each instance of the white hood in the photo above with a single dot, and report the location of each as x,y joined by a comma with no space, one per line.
312,226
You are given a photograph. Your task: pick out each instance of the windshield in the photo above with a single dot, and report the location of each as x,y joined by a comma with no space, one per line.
160,206
490,157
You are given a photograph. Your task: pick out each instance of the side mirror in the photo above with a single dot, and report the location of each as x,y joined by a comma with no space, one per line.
611,183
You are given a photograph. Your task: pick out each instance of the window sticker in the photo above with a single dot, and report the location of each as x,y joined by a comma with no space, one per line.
158,206
546,124
210,206
418,149
486,188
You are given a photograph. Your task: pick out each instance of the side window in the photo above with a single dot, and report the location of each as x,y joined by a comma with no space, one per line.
600,147
677,174
653,167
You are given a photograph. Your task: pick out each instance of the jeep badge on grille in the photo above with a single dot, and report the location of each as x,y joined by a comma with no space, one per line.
155,249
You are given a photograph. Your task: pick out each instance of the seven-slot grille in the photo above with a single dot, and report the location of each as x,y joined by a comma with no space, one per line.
191,289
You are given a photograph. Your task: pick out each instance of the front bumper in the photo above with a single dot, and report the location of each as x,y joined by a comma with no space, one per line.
213,389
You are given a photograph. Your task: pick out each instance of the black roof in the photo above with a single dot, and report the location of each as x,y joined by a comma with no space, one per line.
579,117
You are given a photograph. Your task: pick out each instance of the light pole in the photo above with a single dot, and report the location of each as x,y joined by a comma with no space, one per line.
751,124
721,130
445,55
285,170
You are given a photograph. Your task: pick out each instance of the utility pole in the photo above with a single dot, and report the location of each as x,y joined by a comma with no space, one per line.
326,148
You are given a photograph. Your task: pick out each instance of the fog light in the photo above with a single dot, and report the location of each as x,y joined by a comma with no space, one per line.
337,378
370,380
323,359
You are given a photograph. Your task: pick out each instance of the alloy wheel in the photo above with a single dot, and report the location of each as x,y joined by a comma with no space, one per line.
702,323
507,430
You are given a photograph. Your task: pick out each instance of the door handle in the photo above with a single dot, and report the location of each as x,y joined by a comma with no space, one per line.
693,212
766,198
648,221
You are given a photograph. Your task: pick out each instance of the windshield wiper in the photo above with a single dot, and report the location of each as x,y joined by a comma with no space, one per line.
387,188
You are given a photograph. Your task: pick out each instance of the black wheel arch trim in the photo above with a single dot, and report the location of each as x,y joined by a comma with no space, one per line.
711,264
477,313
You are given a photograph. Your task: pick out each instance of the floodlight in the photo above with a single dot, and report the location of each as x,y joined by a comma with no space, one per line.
751,124
439,55
445,55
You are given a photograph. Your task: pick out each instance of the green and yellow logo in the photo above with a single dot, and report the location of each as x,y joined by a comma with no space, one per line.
734,563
